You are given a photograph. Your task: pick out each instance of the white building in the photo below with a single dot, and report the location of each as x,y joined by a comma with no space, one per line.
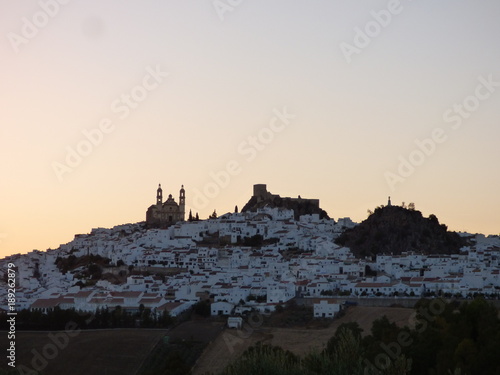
234,322
280,293
326,308
221,308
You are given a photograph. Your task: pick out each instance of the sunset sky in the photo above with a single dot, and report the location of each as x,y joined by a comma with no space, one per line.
345,101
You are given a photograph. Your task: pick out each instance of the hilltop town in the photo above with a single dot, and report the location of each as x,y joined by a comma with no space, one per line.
252,260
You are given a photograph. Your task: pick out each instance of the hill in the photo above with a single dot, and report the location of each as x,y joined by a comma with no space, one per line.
298,340
394,229
300,206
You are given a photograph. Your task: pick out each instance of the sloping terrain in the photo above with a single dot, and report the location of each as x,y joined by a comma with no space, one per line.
229,345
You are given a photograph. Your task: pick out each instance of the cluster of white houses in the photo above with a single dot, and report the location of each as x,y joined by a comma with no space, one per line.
295,259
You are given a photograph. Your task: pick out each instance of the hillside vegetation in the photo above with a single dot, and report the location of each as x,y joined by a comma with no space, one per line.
446,339
394,229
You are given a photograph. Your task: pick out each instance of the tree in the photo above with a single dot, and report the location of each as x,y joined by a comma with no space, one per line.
262,359
352,327
383,330
411,206
197,218
116,316
202,308
213,216
255,240
433,218
146,320
190,218
165,319
235,209
94,271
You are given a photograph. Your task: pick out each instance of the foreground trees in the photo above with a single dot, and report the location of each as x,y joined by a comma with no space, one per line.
57,319
443,339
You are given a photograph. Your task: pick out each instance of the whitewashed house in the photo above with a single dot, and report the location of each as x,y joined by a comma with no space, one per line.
221,308
326,308
280,292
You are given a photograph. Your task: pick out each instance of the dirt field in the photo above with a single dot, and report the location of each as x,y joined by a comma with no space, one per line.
228,346
301,341
225,348
106,352
198,330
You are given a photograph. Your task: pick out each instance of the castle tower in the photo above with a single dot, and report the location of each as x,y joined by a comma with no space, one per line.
182,203
389,202
260,191
159,195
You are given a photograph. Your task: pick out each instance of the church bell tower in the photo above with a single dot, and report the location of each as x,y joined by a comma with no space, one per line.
159,195
182,203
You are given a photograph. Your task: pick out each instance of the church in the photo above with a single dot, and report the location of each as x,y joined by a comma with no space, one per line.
164,214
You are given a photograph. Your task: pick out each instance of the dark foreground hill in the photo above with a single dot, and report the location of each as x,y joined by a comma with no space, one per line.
394,229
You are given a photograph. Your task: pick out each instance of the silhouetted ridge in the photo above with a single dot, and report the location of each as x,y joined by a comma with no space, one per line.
394,229
300,206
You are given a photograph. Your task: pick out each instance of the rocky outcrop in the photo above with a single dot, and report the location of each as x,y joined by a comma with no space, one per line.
300,206
394,229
